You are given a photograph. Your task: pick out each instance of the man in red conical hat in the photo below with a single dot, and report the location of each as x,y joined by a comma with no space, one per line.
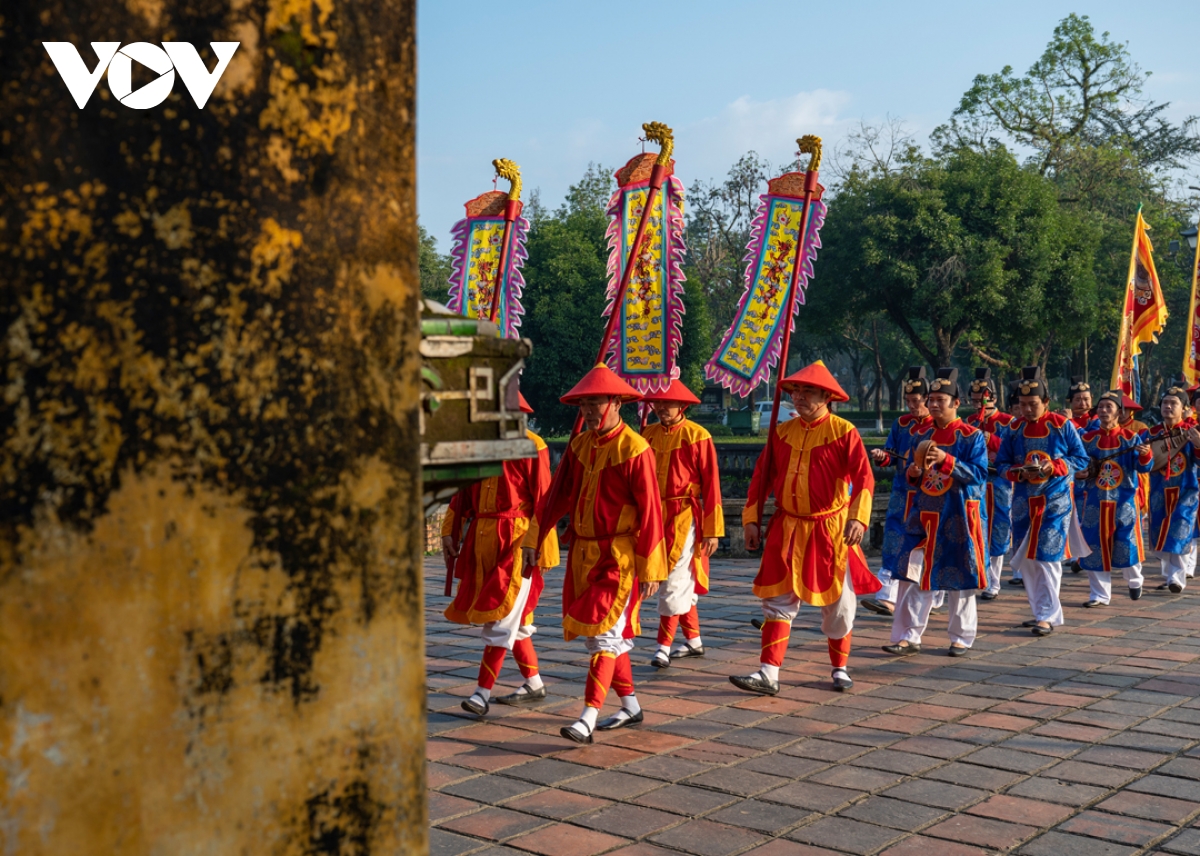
499,583
692,516
608,483
818,470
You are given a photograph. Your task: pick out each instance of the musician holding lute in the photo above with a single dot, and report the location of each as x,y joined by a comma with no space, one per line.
944,547
1108,511
1174,490
1040,454
895,453
993,422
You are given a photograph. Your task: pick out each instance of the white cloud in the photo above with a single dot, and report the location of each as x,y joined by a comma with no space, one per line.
711,145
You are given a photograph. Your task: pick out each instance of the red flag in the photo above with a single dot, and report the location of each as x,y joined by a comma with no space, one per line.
1145,312
1191,357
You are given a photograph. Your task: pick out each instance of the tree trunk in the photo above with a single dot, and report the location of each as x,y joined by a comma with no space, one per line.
211,555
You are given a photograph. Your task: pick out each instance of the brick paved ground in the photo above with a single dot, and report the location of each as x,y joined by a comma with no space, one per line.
1084,742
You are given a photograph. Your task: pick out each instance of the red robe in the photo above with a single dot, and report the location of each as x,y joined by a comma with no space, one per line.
691,490
609,486
501,513
812,470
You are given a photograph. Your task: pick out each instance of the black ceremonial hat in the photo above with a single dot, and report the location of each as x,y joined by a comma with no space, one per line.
1078,384
983,381
1031,382
1115,396
915,381
946,382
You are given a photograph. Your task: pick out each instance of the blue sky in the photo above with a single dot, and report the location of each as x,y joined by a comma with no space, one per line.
556,85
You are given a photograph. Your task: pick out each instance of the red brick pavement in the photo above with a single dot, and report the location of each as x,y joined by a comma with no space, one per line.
1083,742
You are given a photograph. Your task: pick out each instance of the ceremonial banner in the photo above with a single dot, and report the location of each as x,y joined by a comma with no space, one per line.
1191,357
1144,315
479,251
752,344
649,329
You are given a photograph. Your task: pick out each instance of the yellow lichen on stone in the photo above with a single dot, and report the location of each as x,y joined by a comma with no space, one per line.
279,151
175,227
273,255
312,117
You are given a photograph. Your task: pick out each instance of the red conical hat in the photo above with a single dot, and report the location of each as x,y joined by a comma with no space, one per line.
601,380
525,408
816,375
1129,404
676,392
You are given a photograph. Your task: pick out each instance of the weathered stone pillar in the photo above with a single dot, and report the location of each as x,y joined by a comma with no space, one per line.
210,531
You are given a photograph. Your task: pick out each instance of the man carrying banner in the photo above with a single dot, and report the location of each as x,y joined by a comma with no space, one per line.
895,453
1040,454
1109,512
692,516
1173,491
993,422
944,546
499,583
608,483
817,469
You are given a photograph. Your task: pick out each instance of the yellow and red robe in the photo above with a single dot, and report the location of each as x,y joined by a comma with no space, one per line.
609,486
814,468
691,490
501,511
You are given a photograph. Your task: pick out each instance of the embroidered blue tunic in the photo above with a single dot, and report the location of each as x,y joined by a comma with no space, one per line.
1173,500
947,518
1109,515
1042,507
900,441
999,489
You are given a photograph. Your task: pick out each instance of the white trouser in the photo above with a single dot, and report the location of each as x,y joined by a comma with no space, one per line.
505,632
1042,581
913,607
1100,583
939,599
888,592
837,619
612,642
677,595
1175,566
1191,572
995,567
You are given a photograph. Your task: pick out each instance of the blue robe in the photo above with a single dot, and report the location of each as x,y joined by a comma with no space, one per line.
1109,513
999,489
1083,425
947,518
1173,500
1042,508
900,441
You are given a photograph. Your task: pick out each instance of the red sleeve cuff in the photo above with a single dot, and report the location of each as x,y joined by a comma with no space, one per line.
1059,467
947,466
1012,475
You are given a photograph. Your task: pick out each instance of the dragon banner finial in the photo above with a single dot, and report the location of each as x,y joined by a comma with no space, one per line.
664,136
810,144
510,172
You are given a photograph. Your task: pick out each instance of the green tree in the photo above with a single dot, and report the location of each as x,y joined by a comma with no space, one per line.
1083,91
434,267
969,250
565,280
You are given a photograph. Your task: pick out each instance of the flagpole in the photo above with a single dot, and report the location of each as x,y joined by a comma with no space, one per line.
512,209
1123,342
810,145
1189,363
664,136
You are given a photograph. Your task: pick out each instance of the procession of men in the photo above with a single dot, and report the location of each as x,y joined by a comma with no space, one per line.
645,514
1085,487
